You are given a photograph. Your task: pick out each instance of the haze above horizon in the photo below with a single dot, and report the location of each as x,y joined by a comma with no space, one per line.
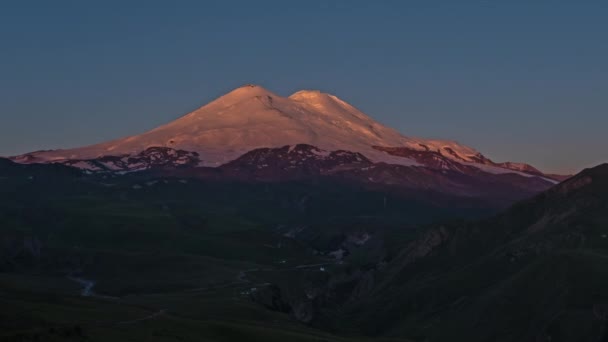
518,81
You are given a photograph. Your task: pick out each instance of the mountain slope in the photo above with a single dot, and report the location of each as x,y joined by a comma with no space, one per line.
535,272
441,181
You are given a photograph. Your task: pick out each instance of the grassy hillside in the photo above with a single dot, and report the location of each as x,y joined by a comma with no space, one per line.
139,258
169,260
535,272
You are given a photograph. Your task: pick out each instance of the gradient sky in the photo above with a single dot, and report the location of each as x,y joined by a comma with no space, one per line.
515,80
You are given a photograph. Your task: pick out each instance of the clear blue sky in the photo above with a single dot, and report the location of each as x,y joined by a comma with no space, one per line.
516,80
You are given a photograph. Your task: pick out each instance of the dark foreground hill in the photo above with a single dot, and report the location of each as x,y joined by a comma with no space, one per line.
537,272
153,257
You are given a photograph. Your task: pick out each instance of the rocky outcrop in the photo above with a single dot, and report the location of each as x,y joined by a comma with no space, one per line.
270,297
446,159
153,157
426,244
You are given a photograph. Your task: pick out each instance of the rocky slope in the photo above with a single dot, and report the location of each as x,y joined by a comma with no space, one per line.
442,181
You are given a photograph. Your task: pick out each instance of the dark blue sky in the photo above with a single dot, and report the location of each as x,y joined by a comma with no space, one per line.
518,81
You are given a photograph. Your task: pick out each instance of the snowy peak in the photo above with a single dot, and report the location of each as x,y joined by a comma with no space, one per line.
246,92
312,96
317,96
251,117
328,104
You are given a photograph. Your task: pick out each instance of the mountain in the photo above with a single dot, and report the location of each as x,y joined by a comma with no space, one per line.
252,134
252,117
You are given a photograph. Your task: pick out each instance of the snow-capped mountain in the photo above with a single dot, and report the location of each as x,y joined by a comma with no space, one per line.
251,117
